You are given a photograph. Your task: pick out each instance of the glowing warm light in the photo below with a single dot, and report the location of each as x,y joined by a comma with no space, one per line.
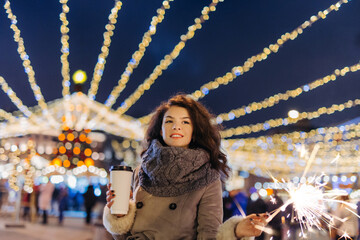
126,143
61,137
66,163
82,138
70,137
137,56
79,77
293,114
89,162
88,141
62,150
80,163
57,162
167,60
269,191
76,150
88,152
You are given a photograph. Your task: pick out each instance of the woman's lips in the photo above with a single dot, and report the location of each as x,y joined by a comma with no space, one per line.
176,135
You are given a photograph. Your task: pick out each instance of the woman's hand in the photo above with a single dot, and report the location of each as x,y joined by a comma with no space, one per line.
110,195
251,225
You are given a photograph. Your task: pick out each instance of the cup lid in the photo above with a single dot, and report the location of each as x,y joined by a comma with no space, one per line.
120,168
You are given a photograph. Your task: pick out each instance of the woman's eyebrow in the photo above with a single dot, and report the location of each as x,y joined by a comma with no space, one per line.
173,117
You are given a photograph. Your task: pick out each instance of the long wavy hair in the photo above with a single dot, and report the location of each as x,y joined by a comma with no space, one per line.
205,134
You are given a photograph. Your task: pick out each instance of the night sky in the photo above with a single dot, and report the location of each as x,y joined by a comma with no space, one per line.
237,30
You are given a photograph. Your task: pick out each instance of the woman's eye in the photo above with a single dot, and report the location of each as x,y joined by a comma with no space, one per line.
186,122
168,121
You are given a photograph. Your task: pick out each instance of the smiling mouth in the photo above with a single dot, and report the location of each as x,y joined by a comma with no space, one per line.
176,136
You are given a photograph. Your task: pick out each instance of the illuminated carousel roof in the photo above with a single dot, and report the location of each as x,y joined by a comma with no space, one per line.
82,113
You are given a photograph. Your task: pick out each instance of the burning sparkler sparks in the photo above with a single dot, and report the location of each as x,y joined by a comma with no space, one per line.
308,198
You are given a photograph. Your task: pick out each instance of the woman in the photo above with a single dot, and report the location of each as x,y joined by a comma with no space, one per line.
177,188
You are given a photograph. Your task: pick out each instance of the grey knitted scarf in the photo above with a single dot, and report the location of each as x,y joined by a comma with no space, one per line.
173,171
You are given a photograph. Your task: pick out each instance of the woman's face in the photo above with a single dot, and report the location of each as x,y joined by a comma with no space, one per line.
177,127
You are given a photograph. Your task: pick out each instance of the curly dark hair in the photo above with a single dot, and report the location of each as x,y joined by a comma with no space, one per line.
205,134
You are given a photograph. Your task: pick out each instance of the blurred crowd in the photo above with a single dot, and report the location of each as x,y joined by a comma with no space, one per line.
55,200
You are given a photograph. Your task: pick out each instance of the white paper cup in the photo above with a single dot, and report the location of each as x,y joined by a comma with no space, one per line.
120,179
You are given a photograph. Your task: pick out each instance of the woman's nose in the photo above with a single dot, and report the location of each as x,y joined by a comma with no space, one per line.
176,127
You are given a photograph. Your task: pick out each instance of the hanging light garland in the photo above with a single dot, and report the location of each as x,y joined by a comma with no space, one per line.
8,116
27,64
12,95
289,157
345,143
168,59
275,99
323,134
100,65
272,123
65,70
22,167
272,48
137,56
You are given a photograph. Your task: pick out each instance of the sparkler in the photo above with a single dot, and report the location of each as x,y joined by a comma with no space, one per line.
309,198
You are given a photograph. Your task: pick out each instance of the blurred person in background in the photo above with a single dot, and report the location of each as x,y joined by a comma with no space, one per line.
46,191
3,192
89,202
25,203
62,202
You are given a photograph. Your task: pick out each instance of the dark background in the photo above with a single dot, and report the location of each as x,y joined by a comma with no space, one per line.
237,30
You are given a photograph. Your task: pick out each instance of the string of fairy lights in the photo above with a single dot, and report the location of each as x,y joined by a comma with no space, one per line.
100,65
27,63
22,166
335,156
14,98
272,48
286,153
275,99
135,60
168,59
137,56
6,115
272,123
65,69
342,143
323,134
249,63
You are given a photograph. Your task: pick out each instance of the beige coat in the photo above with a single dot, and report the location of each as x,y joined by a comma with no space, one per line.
195,215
